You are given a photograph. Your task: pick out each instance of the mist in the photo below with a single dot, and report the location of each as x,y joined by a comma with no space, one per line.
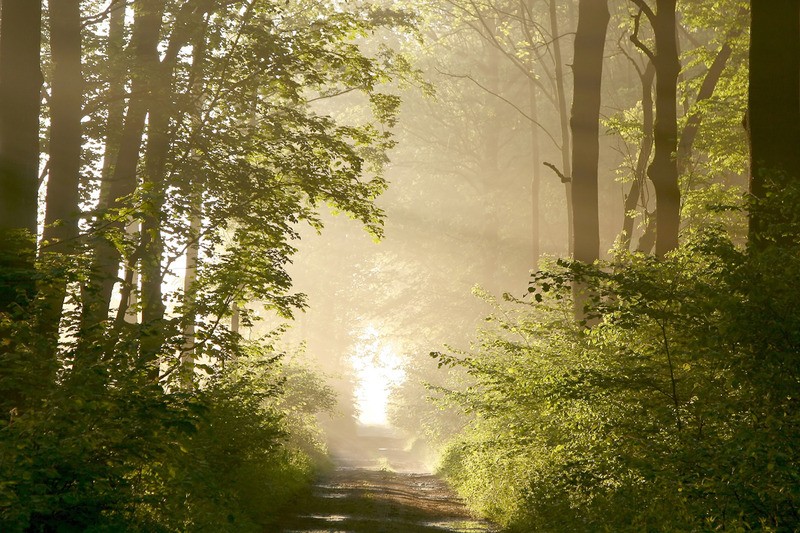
382,265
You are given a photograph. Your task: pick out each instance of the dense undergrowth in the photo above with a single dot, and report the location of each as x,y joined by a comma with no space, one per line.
107,449
677,410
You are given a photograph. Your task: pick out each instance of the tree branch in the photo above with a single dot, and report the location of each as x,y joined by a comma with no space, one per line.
561,176
635,36
504,99
644,8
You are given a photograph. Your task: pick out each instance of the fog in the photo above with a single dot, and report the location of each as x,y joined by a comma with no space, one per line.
470,210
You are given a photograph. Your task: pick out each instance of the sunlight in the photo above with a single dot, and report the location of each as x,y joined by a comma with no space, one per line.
378,371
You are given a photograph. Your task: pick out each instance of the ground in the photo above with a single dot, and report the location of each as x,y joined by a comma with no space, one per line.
377,487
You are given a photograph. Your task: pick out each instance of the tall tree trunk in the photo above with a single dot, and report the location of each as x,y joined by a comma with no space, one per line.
687,137
587,69
645,150
189,291
152,243
115,121
20,95
63,198
188,350
774,107
535,174
115,53
24,376
122,179
162,114
593,17
144,42
566,152
491,177
663,171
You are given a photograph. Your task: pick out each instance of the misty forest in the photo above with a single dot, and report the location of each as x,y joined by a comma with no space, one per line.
399,266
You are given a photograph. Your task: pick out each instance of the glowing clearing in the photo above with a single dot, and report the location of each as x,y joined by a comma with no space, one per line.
378,370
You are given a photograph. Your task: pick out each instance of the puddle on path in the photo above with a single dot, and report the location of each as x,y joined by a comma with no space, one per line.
359,497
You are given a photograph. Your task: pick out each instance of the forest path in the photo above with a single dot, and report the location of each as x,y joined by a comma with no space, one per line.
381,490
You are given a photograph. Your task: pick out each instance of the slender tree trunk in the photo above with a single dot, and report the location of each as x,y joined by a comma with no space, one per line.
663,171
195,228
774,107
593,17
115,52
566,152
20,94
491,177
152,243
587,69
144,42
645,150
692,127
687,138
63,198
535,174
162,114
115,121
189,291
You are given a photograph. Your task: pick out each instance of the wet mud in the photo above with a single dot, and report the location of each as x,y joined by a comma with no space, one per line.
381,489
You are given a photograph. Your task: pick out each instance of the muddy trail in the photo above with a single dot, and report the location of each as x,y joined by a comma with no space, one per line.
376,487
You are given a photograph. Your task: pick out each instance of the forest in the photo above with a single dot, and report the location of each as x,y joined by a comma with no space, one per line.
550,247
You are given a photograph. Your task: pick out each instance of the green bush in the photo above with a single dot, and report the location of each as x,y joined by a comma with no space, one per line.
677,410
129,456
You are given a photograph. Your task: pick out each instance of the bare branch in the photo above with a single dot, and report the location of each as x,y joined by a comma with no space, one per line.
504,99
644,8
561,176
635,37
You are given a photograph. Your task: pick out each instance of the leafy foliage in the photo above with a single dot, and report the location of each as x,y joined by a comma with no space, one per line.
131,402
131,457
676,412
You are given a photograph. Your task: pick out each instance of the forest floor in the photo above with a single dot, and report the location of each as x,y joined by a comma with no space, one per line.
376,487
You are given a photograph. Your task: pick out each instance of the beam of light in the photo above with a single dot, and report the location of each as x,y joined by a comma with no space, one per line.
378,371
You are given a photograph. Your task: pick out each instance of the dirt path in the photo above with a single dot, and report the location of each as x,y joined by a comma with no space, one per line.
366,495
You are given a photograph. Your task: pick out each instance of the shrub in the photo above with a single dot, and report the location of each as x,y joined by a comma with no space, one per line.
675,411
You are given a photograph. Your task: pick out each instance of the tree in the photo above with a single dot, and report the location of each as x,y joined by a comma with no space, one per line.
566,153
220,157
20,86
587,69
638,184
66,104
773,119
122,182
663,170
22,372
